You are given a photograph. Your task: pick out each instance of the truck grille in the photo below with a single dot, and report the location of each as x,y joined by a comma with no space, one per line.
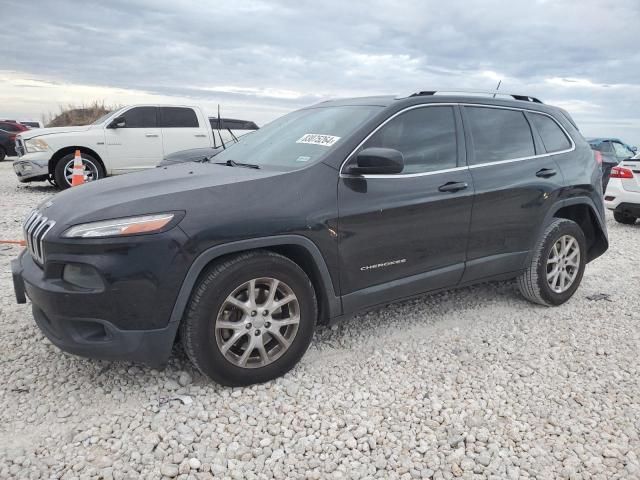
20,150
36,228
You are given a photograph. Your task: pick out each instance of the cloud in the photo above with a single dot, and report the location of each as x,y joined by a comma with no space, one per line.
260,58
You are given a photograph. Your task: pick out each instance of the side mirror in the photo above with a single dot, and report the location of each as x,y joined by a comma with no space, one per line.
634,149
379,161
118,122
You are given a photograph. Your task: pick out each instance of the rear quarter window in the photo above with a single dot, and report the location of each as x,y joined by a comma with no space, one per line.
553,138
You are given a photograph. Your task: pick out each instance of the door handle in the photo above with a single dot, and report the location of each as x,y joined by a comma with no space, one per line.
201,135
453,186
151,135
546,173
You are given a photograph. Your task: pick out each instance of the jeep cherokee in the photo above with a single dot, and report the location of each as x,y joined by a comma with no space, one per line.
327,211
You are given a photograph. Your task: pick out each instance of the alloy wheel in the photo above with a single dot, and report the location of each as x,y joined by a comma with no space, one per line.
563,264
90,170
257,322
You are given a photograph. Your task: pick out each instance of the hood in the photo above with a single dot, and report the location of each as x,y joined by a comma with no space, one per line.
37,132
176,188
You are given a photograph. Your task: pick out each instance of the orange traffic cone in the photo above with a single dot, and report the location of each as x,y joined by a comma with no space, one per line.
77,178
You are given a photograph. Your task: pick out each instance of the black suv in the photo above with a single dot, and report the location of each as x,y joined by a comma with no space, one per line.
327,211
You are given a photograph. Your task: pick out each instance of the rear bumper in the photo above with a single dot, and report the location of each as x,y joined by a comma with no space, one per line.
632,209
617,195
79,332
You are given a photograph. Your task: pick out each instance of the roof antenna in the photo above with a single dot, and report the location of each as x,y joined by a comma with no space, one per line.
497,88
224,147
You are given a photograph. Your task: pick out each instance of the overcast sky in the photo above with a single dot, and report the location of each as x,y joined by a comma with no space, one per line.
260,59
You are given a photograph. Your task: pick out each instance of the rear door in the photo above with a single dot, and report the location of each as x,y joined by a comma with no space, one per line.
182,130
516,182
137,145
403,234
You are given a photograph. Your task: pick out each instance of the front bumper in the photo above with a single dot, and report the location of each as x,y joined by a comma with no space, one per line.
32,167
106,323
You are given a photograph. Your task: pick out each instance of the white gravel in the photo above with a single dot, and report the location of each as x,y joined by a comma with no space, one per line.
474,383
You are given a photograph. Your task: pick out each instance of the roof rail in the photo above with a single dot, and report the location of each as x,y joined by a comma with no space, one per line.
525,98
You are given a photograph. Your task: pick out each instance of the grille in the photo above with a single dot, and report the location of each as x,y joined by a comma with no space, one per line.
20,150
36,228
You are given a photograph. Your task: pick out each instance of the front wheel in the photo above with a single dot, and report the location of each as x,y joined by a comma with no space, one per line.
250,319
624,218
557,264
64,170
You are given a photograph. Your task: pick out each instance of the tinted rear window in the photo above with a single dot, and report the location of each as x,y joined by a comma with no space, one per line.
499,134
553,137
177,117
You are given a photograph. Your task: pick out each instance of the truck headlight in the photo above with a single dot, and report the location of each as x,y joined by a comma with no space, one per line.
120,226
36,145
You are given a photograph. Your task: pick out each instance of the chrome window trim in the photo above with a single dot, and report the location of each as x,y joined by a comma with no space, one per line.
478,165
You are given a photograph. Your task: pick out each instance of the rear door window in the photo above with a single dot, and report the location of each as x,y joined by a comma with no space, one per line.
553,138
178,117
499,134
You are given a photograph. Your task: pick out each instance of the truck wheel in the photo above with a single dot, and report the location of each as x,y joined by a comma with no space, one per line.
624,218
557,265
250,319
64,170
3,154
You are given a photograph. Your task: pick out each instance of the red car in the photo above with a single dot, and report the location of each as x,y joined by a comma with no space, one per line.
9,126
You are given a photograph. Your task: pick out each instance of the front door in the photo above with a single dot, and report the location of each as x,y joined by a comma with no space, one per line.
136,145
404,234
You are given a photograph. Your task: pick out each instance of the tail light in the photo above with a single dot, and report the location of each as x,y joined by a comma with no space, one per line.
621,172
598,156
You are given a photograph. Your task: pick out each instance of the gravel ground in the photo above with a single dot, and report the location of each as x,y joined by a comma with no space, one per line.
473,383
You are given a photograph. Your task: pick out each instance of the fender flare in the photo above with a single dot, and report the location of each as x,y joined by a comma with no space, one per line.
581,200
200,263
69,149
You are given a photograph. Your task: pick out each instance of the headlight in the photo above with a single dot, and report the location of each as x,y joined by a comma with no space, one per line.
120,226
36,145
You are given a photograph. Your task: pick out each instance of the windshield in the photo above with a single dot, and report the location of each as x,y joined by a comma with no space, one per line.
299,138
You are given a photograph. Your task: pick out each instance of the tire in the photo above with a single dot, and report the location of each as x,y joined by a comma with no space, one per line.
624,218
209,307
3,154
93,169
534,283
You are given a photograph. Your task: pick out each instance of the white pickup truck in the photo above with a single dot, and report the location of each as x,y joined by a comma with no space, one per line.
129,139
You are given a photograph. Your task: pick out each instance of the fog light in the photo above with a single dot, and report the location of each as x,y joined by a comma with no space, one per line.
609,198
84,276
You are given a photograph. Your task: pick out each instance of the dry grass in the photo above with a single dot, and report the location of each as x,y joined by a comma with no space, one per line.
72,115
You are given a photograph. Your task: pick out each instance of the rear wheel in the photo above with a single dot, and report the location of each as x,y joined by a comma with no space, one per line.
64,170
250,319
557,265
3,154
624,218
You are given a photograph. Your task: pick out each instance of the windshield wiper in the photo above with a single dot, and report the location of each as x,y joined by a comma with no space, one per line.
233,163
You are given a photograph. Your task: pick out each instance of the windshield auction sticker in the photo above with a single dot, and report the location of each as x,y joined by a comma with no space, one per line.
317,139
